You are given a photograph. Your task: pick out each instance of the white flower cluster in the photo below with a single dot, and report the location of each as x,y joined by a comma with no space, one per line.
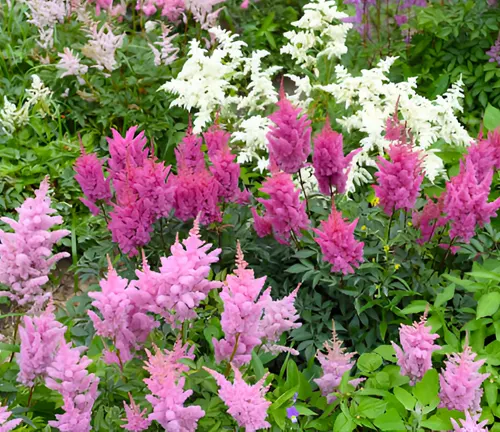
102,46
70,65
12,118
373,97
44,14
321,32
252,133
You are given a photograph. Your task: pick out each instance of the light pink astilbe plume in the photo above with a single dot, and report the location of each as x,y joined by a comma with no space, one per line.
7,425
40,337
135,418
246,403
203,12
415,357
163,49
240,320
429,219
68,375
335,363
90,177
466,202
289,140
188,153
470,424
284,210
330,164
338,245
26,254
126,150
399,179
461,381
172,9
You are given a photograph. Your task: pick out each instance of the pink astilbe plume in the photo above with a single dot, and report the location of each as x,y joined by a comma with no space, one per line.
466,202
188,153
399,179
246,403
482,156
40,337
415,356
493,140
289,139
429,219
240,320
461,381
135,418
167,390
173,9
26,254
330,165
216,139
126,150
7,425
90,177
470,424
338,245
284,210
335,363
68,375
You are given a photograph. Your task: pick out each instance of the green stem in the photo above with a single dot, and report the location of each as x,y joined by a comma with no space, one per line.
228,368
104,213
305,195
184,331
32,390
388,234
18,320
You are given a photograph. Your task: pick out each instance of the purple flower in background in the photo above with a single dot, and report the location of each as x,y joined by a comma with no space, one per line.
291,412
494,52
7,425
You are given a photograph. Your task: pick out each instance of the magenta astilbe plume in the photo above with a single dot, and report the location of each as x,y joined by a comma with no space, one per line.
415,357
335,363
399,179
482,155
26,254
240,320
40,337
461,381
68,375
338,245
135,418
216,139
90,177
493,140
330,164
284,210
126,150
226,173
429,219
466,202
188,153
246,403
470,424
289,140
7,425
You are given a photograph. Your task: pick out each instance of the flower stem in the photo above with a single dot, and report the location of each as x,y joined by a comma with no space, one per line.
18,320
32,390
228,368
305,195
388,234
104,213
184,331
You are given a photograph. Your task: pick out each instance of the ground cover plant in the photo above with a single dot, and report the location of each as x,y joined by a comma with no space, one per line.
224,215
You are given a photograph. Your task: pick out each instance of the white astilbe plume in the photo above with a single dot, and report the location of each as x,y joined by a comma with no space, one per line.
372,97
203,12
320,32
102,46
45,14
70,65
167,52
303,88
252,133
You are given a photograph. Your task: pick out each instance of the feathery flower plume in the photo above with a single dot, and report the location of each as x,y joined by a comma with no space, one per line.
167,52
40,337
415,357
429,219
337,242
289,139
330,164
70,65
461,381
102,45
26,254
135,418
126,150
188,153
246,403
5,424
216,139
482,156
470,424
284,210
173,9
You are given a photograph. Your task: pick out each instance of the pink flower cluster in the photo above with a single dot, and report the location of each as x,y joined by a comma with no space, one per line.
470,424
7,425
461,382
289,140
123,321
182,282
136,420
172,9
246,403
26,254
285,214
338,245
429,219
415,357
167,390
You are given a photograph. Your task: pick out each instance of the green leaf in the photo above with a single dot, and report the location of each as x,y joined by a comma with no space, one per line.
390,421
9,347
491,117
285,397
371,407
369,362
436,423
387,352
426,390
257,366
488,304
491,393
297,268
444,296
343,424
415,306
405,398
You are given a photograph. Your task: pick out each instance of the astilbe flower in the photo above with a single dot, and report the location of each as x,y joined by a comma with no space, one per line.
167,387
482,156
125,150
70,65
415,357
216,139
337,242
289,139
429,219
7,425
246,403
167,52
26,254
466,202
461,381
90,177
470,424
68,375
102,45
335,363
493,140
135,418
126,324
240,320
330,164
285,213
173,9
40,337
399,179
188,153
